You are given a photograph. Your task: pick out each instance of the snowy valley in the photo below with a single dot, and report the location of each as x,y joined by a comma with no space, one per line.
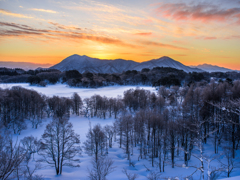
157,131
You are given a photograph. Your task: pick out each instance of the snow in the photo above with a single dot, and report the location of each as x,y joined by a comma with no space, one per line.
81,126
64,90
232,178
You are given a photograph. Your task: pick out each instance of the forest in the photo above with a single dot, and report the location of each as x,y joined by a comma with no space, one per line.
158,76
165,128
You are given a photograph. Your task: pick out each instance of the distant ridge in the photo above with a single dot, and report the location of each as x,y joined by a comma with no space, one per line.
211,68
23,65
94,65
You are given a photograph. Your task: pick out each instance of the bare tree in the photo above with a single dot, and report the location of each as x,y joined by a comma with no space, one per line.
130,176
11,156
96,140
29,173
101,168
231,163
59,145
77,103
31,145
110,132
153,175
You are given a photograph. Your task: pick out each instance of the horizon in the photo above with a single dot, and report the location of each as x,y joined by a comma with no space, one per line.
193,33
48,65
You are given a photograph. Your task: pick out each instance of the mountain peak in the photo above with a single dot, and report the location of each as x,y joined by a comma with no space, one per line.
212,68
84,63
165,57
76,56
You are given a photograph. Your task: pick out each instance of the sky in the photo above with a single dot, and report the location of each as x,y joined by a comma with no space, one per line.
191,32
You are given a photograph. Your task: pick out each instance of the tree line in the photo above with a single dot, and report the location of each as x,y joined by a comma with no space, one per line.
158,76
170,126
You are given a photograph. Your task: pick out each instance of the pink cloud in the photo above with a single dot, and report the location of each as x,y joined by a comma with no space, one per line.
144,34
147,21
210,38
201,12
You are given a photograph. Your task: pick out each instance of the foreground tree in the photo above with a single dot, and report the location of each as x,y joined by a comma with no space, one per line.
59,144
11,156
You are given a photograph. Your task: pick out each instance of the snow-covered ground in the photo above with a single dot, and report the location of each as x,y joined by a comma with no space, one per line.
232,178
81,126
64,90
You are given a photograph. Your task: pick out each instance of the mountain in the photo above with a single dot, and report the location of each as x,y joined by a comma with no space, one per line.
23,65
211,68
94,65
165,62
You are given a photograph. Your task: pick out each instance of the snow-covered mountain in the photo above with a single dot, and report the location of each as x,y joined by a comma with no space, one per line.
211,68
165,62
23,65
85,63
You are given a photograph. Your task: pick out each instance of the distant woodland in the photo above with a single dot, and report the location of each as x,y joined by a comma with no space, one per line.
172,125
156,77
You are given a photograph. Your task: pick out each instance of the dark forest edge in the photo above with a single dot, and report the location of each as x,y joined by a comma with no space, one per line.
158,76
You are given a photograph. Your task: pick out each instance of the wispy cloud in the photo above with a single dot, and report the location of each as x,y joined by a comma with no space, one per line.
201,12
169,46
9,13
209,38
44,10
106,12
144,33
60,26
24,31
94,6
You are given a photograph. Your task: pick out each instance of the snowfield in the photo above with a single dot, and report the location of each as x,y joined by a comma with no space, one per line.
64,90
81,126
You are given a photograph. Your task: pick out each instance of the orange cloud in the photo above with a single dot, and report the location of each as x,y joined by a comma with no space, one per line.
151,43
210,38
8,13
144,34
24,31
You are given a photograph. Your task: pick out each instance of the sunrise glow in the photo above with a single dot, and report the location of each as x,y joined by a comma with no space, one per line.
192,32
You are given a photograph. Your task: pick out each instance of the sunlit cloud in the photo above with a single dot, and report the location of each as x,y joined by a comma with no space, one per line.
60,26
169,46
207,37
9,13
110,13
201,12
210,38
96,7
144,34
24,31
44,10
137,30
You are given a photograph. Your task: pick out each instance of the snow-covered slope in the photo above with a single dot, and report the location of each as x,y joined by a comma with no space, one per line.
211,68
165,62
85,63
